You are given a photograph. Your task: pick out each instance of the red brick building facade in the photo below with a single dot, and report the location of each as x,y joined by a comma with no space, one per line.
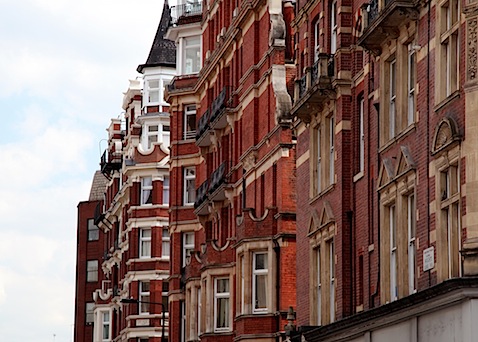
383,223
90,249
233,204
321,157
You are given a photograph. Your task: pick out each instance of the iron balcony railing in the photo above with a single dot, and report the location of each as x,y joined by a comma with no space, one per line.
185,10
203,125
372,10
201,193
218,177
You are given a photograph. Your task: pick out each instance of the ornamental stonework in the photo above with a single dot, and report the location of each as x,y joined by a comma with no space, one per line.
472,49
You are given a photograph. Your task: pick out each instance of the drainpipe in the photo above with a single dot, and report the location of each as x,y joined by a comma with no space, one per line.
276,249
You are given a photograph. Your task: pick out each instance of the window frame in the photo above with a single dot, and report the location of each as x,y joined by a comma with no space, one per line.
105,325
93,230
331,122
166,190
411,84
195,48
333,26
392,226
89,313
146,189
90,269
392,99
256,273
189,186
145,241
361,134
451,217
218,296
331,248
187,248
189,111
448,63
412,248
165,241
144,296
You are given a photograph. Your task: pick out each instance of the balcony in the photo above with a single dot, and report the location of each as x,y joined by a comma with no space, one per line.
382,19
213,189
216,118
200,205
110,162
203,138
217,192
186,13
313,88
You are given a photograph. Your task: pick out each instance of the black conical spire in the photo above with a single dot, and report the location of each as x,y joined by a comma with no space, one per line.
163,51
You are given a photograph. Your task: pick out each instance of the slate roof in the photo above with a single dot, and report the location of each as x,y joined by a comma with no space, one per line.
163,51
97,187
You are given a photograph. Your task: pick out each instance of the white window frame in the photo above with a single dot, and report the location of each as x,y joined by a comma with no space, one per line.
91,271
333,27
152,90
145,243
392,221
411,83
218,296
146,195
194,48
105,326
166,190
93,230
412,249
188,245
316,40
189,185
361,135
160,135
189,111
259,273
165,243
144,297
392,106
332,279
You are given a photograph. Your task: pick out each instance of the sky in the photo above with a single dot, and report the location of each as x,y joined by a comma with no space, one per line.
64,66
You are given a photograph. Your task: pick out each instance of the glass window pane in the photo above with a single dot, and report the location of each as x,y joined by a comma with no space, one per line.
261,286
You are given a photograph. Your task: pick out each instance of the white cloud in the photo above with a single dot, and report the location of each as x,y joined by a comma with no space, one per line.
64,67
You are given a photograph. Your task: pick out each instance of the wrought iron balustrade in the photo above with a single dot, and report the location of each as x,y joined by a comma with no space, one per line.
185,10
201,193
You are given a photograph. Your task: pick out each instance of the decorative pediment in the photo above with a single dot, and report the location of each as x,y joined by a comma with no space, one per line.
327,215
446,133
314,221
386,173
405,161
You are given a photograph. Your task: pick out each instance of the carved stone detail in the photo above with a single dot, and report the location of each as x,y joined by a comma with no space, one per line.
472,68
445,134
277,33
